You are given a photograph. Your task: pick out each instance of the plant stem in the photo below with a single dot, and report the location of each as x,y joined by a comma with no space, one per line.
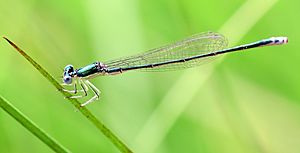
33,128
100,126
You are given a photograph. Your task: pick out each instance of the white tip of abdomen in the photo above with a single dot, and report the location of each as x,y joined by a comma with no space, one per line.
279,40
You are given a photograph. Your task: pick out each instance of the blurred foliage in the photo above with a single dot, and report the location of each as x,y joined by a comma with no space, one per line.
246,102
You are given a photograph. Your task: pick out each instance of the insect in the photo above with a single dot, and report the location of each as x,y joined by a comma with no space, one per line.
190,52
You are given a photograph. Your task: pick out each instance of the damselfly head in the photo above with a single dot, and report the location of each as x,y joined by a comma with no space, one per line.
68,74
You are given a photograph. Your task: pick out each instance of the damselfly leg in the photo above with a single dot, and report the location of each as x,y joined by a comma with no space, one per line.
85,85
74,91
95,91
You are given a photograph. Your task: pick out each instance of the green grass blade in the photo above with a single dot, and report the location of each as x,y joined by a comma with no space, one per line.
106,131
30,126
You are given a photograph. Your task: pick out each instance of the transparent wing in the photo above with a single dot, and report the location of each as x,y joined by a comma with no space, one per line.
202,43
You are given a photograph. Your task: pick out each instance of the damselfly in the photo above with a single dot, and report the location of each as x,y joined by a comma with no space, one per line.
187,53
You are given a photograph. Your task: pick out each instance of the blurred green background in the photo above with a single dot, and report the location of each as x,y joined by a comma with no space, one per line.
242,102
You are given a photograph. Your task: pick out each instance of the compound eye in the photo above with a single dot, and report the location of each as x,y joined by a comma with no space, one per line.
69,68
67,79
